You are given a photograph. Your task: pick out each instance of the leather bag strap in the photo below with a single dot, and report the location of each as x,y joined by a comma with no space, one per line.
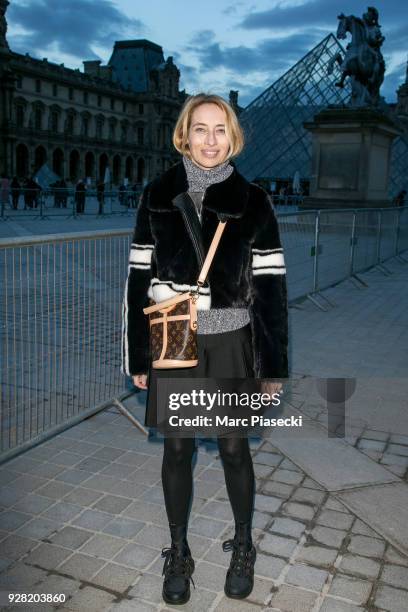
211,252
180,297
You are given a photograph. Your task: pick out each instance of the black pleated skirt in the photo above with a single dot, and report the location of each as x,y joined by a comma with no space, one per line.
222,355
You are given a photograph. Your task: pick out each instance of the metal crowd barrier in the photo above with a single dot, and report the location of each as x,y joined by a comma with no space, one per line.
324,247
65,201
289,201
61,303
60,338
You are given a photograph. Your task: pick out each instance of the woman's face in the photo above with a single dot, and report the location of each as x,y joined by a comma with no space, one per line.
207,137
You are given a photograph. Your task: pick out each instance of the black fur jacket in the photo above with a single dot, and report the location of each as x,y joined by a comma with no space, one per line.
248,270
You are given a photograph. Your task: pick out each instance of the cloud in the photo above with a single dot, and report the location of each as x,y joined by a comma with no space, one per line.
202,36
190,72
250,70
189,77
316,13
271,54
392,81
232,9
395,39
72,27
295,28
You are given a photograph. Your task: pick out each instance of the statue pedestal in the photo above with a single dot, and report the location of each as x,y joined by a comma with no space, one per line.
350,158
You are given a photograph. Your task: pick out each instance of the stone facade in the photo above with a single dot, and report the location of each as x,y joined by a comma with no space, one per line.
81,122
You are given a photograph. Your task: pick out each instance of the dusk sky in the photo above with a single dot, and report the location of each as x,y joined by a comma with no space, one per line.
218,45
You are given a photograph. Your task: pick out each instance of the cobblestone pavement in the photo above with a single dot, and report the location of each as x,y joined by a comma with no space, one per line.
365,336
59,220
82,514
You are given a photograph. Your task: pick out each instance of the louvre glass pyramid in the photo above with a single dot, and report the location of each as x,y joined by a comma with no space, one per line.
399,164
277,145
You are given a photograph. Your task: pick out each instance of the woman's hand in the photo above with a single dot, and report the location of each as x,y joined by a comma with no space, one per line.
271,387
139,380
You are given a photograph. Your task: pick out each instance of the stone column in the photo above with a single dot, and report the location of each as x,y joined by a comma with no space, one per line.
3,25
7,86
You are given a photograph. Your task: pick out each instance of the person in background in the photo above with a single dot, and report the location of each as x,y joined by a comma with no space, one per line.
15,189
80,191
135,199
31,193
399,199
281,199
36,187
122,194
63,193
56,193
100,196
4,192
27,194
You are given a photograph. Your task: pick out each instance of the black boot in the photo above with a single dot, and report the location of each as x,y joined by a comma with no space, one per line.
178,567
240,576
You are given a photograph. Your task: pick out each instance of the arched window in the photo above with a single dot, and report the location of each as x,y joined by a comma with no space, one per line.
40,157
103,164
117,163
129,169
140,170
22,161
74,165
58,162
90,165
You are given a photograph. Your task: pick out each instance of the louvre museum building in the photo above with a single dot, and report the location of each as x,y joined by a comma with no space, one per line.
121,116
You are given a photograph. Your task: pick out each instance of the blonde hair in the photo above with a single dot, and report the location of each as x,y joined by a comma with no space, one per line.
233,129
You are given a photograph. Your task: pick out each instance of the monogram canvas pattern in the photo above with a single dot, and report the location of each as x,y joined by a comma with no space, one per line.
181,339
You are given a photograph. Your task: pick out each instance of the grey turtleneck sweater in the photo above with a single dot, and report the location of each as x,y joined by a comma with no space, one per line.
215,320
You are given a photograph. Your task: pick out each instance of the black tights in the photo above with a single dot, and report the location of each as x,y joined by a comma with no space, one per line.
177,477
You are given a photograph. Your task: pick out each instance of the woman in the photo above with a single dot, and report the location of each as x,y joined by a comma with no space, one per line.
242,311
4,191
15,192
80,193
